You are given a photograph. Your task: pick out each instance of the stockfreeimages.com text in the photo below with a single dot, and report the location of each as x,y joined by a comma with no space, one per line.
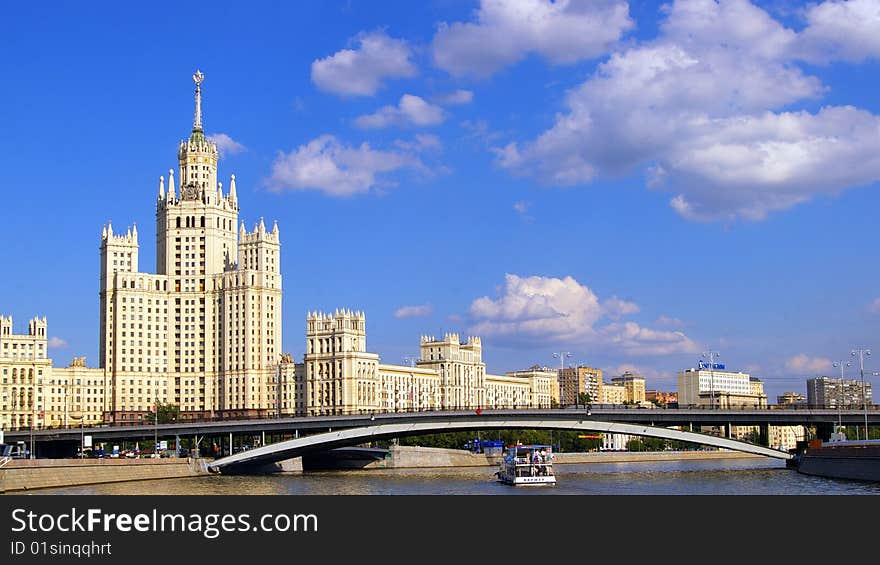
209,525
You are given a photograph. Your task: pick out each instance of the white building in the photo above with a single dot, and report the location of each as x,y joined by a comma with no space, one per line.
204,332
705,386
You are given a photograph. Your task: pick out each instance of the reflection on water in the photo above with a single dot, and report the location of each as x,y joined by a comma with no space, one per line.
731,477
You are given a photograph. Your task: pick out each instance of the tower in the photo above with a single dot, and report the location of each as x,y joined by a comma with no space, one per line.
341,377
204,332
119,256
196,226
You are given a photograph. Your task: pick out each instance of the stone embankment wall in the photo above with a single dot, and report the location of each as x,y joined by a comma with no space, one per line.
403,457
28,474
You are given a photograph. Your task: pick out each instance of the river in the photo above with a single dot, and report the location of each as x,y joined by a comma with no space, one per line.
748,476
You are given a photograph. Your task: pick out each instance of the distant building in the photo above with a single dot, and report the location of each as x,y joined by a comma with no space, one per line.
661,398
612,394
705,387
575,380
35,394
633,386
785,437
791,399
828,392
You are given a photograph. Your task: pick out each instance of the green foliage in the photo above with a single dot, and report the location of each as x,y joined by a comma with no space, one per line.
566,441
584,398
168,413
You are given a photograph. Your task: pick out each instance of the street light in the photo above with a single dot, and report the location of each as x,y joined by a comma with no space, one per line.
839,387
156,420
862,353
562,355
711,355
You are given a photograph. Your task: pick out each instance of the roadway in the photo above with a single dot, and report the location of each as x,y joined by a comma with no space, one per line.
689,418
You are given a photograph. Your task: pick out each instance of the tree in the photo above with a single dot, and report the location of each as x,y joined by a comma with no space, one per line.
584,398
168,413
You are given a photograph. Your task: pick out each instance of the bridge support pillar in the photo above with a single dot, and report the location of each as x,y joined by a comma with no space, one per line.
230,443
764,434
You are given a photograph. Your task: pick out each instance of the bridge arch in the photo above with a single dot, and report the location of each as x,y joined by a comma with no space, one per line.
273,453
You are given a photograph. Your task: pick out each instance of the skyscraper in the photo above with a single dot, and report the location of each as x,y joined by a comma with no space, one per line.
204,332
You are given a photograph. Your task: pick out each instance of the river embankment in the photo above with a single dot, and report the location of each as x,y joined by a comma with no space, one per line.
412,457
22,475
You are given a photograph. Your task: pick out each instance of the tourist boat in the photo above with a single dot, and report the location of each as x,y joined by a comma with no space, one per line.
527,465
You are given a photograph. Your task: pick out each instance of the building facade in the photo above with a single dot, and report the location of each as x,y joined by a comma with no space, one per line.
661,398
633,387
575,380
339,376
828,392
791,399
34,394
612,394
204,331
704,387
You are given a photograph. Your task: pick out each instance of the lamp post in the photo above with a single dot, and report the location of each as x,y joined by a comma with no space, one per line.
711,356
862,353
156,420
278,386
842,366
561,355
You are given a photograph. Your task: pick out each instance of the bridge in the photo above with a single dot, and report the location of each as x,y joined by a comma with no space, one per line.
253,459
821,420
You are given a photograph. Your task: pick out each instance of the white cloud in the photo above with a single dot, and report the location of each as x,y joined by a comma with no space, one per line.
847,30
803,364
327,165
226,145
413,311
563,32
669,322
458,97
874,306
57,343
699,108
421,142
410,111
548,310
361,71
521,206
655,379
616,308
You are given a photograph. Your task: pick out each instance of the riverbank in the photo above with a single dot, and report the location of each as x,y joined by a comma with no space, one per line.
409,457
26,475
22,475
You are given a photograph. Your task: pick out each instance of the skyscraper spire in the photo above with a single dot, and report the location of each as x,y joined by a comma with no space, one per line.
171,193
198,77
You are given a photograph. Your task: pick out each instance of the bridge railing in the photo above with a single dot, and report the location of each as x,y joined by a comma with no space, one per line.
185,419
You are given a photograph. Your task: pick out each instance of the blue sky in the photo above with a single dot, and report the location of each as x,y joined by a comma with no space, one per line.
634,183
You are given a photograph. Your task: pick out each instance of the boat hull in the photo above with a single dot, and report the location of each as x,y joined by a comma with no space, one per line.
853,462
527,481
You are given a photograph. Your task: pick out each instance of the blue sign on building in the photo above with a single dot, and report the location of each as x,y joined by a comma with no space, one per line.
704,365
